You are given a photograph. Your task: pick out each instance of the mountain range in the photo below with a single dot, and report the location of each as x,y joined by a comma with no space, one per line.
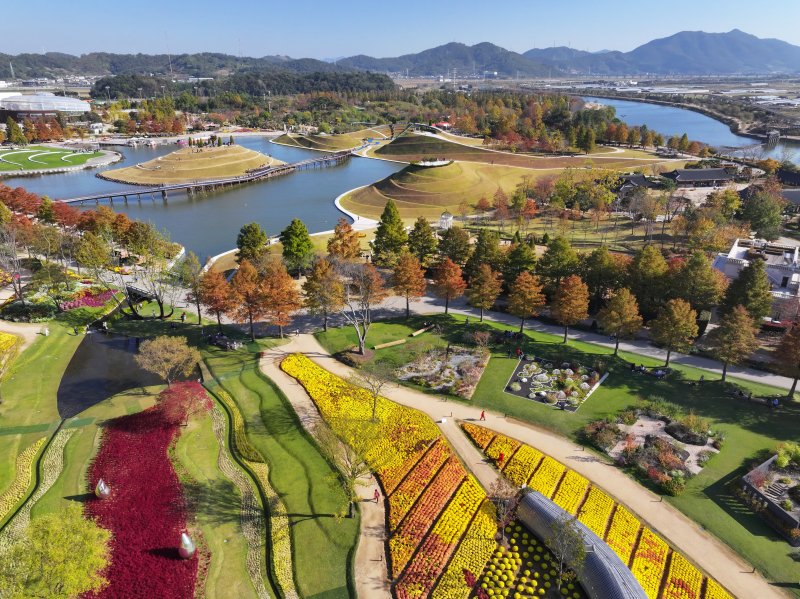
685,53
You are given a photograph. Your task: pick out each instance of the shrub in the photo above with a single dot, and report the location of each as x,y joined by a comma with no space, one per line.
628,417
515,387
695,423
674,486
787,505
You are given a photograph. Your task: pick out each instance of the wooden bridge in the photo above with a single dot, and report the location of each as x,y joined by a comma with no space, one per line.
258,174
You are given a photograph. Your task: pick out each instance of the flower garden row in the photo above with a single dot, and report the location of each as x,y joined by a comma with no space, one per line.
281,543
661,571
22,478
146,510
441,524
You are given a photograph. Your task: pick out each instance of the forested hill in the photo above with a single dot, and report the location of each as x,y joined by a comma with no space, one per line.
205,64
257,82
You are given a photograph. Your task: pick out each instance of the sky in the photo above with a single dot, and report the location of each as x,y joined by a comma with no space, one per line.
325,29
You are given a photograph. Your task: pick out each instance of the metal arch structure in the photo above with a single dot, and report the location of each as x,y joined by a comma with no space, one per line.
602,575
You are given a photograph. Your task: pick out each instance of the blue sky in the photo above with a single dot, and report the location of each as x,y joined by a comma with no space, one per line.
324,29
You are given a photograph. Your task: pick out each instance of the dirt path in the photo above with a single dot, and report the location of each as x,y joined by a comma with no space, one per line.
713,556
371,575
28,332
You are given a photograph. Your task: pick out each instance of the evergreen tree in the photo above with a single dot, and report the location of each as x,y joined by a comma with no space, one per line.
750,289
298,250
647,278
764,213
525,298
603,272
676,326
252,242
734,338
45,213
390,237
683,143
408,278
521,258
454,245
570,303
487,251
422,241
344,244
558,261
699,283
324,291
620,316
484,288
14,133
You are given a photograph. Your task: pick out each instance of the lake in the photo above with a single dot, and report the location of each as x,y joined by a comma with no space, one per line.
208,223
669,120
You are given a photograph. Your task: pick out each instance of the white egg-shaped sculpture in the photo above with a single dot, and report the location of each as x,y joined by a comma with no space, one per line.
187,547
102,490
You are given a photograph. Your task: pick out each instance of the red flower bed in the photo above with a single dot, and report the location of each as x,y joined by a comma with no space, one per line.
146,511
404,496
88,298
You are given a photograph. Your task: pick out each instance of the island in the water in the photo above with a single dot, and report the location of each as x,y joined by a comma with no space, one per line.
193,164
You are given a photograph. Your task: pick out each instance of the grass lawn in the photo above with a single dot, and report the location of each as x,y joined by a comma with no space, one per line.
41,157
323,543
187,164
216,503
750,429
29,410
412,147
427,191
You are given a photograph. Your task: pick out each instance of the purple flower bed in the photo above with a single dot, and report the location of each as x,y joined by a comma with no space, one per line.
88,301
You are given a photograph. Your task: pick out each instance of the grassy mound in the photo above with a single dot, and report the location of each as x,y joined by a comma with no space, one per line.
190,164
412,147
335,143
428,191
34,158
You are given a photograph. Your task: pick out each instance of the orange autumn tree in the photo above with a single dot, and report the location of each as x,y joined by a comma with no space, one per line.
249,302
570,303
408,279
449,282
215,294
282,298
620,316
344,244
525,298
484,288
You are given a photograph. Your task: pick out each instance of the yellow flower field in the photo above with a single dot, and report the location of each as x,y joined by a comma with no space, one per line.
571,492
684,581
596,511
649,562
547,476
520,468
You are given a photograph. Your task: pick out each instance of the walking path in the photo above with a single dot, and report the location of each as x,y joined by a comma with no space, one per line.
713,556
371,572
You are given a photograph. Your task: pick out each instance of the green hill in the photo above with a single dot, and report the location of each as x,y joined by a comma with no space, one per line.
428,191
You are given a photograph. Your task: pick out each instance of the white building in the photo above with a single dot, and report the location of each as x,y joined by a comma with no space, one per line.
782,264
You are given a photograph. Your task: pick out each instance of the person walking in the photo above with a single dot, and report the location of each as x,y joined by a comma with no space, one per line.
500,459
376,495
483,415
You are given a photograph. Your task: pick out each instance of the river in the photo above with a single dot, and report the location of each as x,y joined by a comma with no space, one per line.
207,224
669,120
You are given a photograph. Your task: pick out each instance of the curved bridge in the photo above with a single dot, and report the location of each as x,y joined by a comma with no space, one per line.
190,187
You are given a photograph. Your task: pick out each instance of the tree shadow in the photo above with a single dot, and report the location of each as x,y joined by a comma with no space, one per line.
82,498
217,501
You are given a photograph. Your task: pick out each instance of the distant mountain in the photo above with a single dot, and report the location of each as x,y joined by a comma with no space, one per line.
443,59
206,64
699,53
685,53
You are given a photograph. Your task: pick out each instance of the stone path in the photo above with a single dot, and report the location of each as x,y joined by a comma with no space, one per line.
713,556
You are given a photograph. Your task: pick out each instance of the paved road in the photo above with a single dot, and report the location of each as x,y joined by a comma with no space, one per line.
713,556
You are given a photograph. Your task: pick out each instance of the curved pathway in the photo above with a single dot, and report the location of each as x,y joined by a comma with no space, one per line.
713,556
371,572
